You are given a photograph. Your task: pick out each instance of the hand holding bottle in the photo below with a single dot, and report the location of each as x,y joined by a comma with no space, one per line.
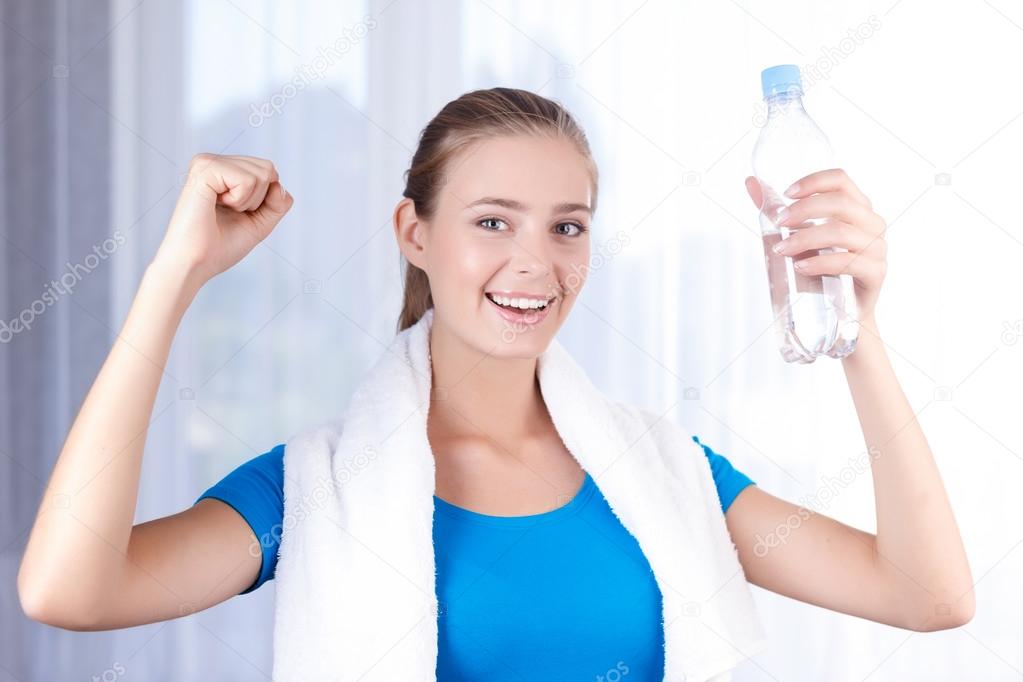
849,223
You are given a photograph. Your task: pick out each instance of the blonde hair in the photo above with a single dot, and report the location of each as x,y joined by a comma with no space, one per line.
475,116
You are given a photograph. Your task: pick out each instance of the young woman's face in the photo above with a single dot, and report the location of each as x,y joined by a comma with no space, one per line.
512,222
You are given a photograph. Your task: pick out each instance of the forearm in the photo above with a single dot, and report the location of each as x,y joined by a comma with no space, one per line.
84,521
918,542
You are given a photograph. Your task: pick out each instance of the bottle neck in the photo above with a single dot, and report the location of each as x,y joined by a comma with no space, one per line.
783,103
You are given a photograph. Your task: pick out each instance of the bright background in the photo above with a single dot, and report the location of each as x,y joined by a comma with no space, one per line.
104,103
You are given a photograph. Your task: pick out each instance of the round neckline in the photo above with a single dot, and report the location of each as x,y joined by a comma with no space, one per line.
575,504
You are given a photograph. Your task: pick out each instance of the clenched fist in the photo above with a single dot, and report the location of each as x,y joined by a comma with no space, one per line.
229,204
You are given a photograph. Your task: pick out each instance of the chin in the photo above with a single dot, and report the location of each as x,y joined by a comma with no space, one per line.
524,347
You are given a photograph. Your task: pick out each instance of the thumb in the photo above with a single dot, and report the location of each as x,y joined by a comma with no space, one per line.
755,191
276,203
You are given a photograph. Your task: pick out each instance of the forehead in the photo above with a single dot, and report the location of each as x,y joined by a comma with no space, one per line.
536,170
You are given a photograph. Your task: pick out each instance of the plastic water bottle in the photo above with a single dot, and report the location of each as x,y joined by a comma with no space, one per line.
813,314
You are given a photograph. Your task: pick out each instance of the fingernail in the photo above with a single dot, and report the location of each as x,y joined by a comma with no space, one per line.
792,190
800,265
780,246
781,217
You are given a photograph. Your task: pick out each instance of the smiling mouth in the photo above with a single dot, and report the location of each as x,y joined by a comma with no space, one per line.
515,309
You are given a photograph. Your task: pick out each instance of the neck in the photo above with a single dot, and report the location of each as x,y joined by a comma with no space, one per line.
783,102
477,394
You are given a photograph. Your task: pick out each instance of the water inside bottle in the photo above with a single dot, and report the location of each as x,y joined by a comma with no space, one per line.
811,312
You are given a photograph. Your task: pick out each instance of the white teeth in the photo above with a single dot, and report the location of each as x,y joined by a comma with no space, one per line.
522,303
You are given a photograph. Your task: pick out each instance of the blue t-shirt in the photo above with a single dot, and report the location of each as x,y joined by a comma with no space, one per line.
563,594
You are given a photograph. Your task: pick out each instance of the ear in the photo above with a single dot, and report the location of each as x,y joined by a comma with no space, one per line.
755,192
409,230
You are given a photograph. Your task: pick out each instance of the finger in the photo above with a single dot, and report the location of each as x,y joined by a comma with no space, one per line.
258,193
277,202
755,191
200,162
263,174
255,160
868,270
239,197
830,180
267,174
257,182
831,233
251,159
263,168
830,205
231,183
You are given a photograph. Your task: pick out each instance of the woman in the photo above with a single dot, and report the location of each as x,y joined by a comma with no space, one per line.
495,217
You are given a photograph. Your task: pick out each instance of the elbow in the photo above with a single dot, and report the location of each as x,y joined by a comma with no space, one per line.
945,614
41,605
29,596
42,612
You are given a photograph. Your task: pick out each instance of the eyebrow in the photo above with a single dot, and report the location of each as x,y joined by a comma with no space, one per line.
519,206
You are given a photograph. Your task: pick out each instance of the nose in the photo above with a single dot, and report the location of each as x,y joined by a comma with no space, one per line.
531,265
531,258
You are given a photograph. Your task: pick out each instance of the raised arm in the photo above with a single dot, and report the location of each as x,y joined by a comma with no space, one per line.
914,572
86,566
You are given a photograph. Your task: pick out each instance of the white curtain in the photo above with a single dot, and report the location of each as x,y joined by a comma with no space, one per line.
918,101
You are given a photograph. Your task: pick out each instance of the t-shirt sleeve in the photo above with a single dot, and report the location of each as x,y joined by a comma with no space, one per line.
729,480
255,489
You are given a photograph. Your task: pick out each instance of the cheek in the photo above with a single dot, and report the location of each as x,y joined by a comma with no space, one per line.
466,265
574,268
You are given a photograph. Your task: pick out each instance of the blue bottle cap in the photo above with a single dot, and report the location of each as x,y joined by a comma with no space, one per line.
781,78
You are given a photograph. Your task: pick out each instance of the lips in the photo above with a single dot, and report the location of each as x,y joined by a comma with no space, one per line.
522,317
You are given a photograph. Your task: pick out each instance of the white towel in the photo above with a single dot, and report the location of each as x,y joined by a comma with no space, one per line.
356,576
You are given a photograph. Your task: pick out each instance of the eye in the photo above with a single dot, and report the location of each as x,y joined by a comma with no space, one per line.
580,229
489,223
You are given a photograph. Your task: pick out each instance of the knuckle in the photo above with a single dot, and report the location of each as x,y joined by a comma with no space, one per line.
844,230
202,158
